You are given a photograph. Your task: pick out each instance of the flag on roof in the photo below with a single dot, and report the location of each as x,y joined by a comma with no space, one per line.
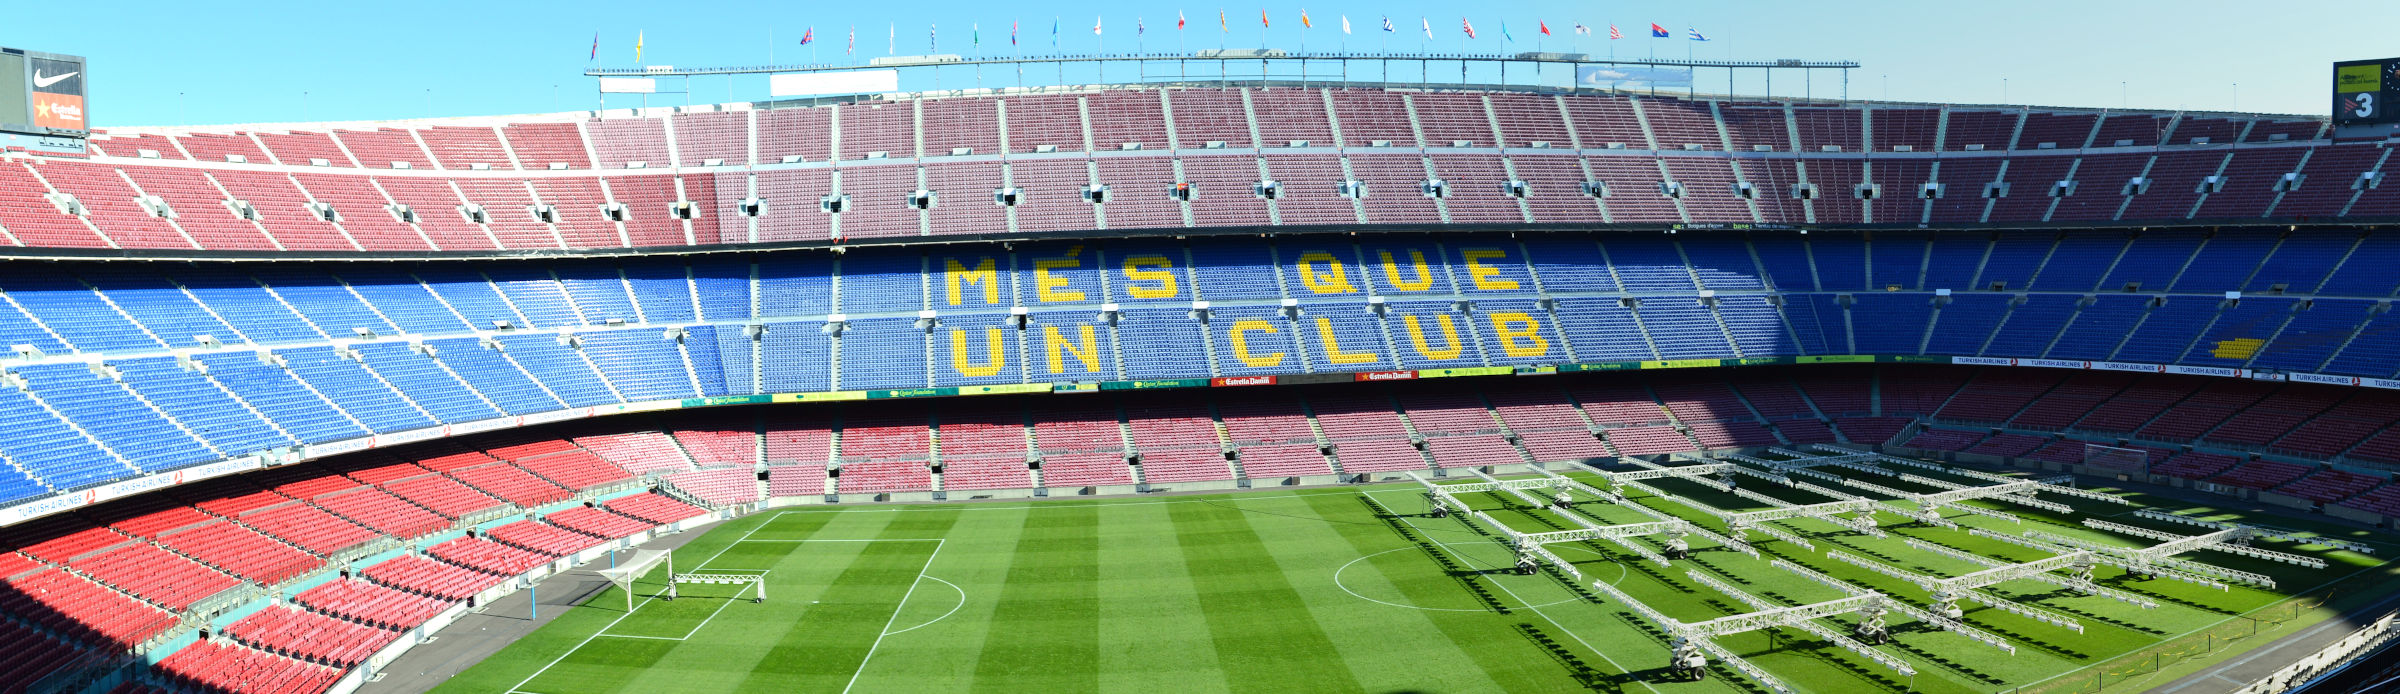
1387,24
1345,24
1696,34
975,34
1545,26
595,45
1504,35
1304,23
637,46
1012,32
1179,20
1581,30
1262,19
807,36
1657,32
1470,26
1095,26
1613,34
1428,24
1221,28
853,47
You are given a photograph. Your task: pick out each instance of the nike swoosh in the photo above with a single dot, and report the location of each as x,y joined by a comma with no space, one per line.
39,81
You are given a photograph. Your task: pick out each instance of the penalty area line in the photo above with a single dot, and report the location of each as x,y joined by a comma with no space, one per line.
520,686
887,624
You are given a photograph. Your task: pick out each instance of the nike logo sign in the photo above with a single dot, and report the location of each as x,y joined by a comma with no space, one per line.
39,81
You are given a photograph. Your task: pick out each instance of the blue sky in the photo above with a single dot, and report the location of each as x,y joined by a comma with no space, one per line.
284,61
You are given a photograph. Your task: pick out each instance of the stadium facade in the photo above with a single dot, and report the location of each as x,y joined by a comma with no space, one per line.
244,358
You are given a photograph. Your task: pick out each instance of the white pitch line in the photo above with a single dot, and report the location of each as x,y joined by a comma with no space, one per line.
628,613
887,624
962,602
1562,627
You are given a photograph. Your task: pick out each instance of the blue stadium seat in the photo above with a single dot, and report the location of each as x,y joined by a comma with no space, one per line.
881,282
642,364
662,291
1962,327
424,381
406,301
2014,260
1899,261
1887,323
1163,343
1267,342
793,286
965,352
598,291
1841,261
1228,272
2079,261
723,288
2225,261
274,392
108,412
190,398
795,358
1952,261
558,368
537,296
882,353
2313,335
2095,331
358,391
1649,264
1602,330
2031,326
493,374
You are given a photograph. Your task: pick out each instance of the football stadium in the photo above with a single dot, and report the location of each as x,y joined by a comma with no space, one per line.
1252,370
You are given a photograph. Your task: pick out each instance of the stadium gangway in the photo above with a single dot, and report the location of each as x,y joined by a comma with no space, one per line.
2234,540
1691,644
2125,558
1946,623
1946,602
1736,544
1733,531
1518,490
1871,625
2261,530
1529,545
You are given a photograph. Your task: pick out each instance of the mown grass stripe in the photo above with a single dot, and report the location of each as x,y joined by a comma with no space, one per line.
1049,609
1153,634
829,645
1453,651
1266,639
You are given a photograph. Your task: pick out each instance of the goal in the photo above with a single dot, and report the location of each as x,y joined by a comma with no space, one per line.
643,561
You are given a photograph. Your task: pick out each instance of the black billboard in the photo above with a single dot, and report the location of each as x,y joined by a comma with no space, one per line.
43,93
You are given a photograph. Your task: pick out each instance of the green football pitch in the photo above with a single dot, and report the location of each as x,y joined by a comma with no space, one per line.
1345,590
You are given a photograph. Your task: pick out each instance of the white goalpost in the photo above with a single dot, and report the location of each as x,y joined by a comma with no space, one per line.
644,560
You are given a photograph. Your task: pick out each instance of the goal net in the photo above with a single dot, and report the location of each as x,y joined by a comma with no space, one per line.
626,572
2127,460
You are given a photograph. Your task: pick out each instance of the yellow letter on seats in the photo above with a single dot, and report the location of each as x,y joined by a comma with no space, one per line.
1045,286
1139,268
982,275
1391,270
1333,347
1520,335
1486,277
1334,280
996,353
1085,348
1451,346
1241,343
